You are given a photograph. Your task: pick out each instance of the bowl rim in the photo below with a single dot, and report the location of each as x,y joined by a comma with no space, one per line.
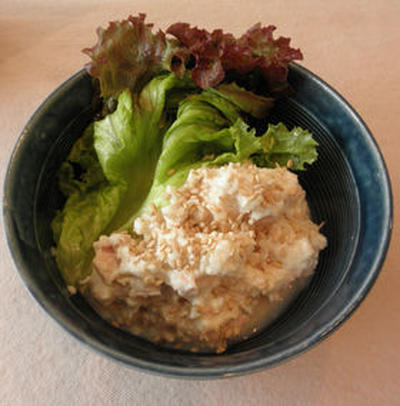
207,372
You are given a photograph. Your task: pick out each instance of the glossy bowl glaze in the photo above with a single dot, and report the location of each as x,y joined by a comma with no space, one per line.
348,189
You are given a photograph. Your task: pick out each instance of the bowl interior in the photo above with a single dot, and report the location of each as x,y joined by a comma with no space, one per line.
347,190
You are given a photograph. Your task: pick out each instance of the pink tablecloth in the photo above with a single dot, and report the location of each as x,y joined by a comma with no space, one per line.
352,44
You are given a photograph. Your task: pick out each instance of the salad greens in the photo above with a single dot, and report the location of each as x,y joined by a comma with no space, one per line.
176,110
128,55
91,202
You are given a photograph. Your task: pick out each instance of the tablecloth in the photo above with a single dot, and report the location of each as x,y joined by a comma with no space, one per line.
354,46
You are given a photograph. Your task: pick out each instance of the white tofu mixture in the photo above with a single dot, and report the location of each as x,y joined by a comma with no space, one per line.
222,260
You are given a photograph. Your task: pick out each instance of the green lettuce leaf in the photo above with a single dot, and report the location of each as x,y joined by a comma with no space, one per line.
208,131
116,158
293,148
84,218
249,102
128,142
91,203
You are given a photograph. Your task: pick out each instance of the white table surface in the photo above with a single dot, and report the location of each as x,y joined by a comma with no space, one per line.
353,45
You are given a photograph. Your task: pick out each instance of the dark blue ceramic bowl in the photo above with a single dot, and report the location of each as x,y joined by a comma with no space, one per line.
348,189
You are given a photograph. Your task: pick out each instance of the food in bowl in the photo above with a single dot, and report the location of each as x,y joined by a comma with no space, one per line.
181,222
222,259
